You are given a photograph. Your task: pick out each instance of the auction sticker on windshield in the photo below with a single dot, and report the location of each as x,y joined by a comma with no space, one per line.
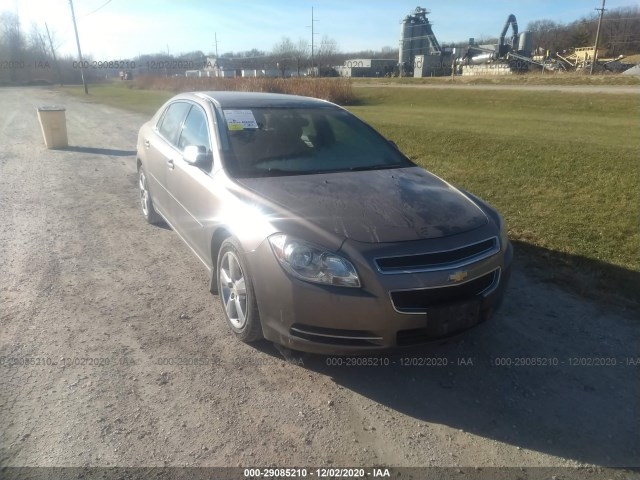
240,119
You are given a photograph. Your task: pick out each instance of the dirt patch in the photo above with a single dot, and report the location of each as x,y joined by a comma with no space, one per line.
635,59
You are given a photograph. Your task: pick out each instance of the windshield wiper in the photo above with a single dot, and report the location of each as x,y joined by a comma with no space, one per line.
276,172
384,166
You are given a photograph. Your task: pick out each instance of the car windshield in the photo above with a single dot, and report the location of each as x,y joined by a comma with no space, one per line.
302,141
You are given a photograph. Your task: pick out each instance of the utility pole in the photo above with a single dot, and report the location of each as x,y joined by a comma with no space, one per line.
166,64
313,73
313,34
53,52
595,51
75,27
453,63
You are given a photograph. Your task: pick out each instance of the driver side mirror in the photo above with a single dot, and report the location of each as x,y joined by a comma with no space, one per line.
197,155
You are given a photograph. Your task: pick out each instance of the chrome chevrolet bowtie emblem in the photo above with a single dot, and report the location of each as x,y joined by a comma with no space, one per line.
458,276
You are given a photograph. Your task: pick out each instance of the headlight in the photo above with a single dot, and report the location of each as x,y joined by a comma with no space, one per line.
313,264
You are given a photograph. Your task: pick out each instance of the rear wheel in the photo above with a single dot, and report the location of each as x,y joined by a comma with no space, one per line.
146,203
236,293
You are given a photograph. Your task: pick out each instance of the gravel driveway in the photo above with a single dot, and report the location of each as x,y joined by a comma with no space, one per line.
130,363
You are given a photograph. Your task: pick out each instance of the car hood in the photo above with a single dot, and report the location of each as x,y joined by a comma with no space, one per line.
374,206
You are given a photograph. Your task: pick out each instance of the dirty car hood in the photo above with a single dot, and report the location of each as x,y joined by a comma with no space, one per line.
374,206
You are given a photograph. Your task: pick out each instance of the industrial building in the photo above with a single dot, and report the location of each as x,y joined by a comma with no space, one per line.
504,58
369,67
421,55
238,68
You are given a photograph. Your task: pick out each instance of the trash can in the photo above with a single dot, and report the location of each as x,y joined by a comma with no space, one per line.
54,126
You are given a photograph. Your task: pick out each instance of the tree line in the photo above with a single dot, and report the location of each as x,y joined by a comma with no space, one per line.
619,34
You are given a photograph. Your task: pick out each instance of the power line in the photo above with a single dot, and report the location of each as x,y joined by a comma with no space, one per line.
99,8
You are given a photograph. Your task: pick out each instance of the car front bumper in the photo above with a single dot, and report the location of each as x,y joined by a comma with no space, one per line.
337,320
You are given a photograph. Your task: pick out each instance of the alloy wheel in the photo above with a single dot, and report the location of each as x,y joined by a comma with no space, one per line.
144,194
233,290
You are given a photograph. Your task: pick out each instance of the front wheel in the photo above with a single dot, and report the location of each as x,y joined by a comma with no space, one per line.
236,293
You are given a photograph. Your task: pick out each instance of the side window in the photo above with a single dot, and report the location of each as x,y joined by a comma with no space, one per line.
169,126
195,130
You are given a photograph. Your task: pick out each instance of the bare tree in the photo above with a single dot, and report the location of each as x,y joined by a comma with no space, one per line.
544,34
581,35
284,53
327,53
13,42
620,32
389,52
302,54
37,42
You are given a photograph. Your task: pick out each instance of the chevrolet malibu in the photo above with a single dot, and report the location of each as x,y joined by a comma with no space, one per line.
317,232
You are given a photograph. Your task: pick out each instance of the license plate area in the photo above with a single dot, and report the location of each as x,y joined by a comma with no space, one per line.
453,317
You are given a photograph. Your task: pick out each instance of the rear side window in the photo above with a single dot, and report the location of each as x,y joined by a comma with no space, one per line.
169,126
195,130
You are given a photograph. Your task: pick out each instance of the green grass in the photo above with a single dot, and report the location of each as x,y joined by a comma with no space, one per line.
118,95
562,168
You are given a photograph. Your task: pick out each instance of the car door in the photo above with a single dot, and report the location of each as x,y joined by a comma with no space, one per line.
191,186
161,152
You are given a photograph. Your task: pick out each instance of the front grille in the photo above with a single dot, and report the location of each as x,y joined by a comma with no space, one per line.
335,336
439,260
419,300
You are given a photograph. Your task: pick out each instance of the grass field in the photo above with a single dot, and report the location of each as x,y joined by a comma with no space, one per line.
117,95
562,168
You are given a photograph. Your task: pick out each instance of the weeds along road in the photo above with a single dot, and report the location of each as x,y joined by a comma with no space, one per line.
84,277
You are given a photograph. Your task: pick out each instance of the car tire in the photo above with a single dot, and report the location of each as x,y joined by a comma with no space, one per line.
146,203
236,293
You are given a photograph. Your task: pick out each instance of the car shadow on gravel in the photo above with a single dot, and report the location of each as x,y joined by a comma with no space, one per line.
550,373
100,151
581,275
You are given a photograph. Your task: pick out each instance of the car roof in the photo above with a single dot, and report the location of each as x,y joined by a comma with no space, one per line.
260,99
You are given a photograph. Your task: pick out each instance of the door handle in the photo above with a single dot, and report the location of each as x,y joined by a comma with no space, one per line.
170,164
147,143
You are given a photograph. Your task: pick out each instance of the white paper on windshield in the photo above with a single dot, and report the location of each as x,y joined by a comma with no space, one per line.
240,119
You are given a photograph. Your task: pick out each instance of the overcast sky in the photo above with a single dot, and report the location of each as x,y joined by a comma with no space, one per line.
124,28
